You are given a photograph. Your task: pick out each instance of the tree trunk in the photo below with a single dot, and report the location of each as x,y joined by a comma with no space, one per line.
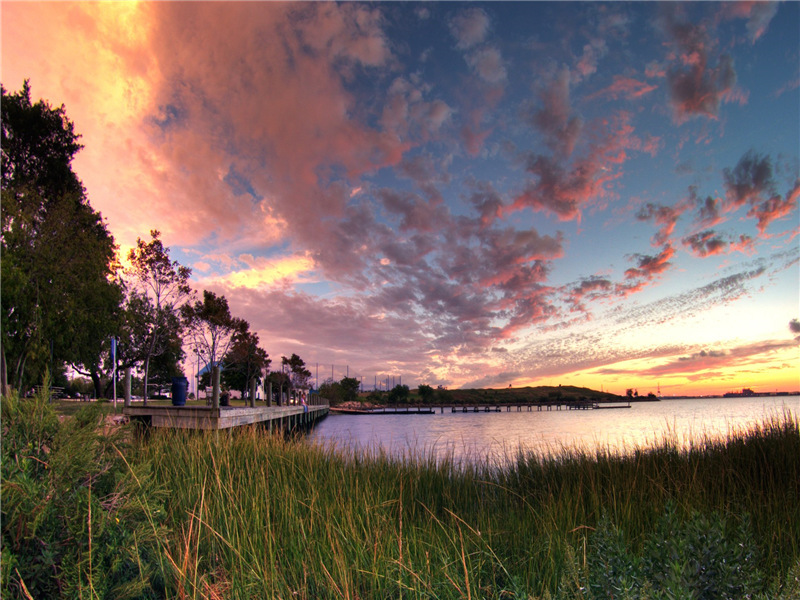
127,386
253,392
146,377
269,393
215,383
95,382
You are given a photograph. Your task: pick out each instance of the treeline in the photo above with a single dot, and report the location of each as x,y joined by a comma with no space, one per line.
67,301
347,390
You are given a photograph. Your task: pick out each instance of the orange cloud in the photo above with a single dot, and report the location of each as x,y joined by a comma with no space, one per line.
264,272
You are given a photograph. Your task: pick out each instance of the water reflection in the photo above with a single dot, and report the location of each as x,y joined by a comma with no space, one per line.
498,436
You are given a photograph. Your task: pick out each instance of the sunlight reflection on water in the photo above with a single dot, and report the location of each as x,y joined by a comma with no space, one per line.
498,436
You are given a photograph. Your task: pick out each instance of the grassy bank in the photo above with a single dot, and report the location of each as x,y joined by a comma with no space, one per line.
246,515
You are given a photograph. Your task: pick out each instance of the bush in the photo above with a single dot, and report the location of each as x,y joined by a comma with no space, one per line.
702,557
75,516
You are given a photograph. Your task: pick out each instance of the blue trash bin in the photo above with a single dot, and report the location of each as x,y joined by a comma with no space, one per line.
179,387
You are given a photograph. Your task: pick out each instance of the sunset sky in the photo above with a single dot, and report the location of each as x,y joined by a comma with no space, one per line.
464,194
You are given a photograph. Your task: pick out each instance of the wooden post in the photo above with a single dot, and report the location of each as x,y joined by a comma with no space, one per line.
215,393
127,386
269,393
253,392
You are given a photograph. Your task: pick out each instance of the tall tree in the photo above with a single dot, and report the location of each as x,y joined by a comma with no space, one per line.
159,288
244,361
426,393
297,370
350,387
61,296
211,328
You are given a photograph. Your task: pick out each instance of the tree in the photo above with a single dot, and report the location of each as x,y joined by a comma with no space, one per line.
297,370
350,387
398,394
168,363
426,393
279,380
158,289
331,391
244,361
211,328
61,296
337,392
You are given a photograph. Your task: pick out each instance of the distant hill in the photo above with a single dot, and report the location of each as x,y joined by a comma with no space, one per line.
528,394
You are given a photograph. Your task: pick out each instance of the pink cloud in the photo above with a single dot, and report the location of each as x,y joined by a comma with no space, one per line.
625,87
469,27
757,12
565,188
752,182
697,85
775,208
555,119
487,62
666,217
591,288
648,269
736,357
705,243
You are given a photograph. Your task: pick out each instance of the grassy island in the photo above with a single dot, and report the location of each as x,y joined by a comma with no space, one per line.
93,512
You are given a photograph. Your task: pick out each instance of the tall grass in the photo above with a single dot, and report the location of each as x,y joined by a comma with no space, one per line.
245,514
260,516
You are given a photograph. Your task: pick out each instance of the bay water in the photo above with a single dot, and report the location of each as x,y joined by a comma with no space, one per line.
498,436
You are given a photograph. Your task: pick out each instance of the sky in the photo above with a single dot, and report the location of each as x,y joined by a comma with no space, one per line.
457,194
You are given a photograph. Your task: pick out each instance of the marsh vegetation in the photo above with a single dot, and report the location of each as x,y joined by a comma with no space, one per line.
89,512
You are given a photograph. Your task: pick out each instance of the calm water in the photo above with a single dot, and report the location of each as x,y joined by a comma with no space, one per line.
500,435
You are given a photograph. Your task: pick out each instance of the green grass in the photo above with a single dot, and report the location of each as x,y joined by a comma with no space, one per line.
265,517
69,408
244,514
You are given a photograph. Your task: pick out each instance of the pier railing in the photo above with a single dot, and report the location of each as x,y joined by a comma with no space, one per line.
287,418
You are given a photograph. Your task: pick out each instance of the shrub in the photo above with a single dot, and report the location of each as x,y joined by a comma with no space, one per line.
76,519
702,557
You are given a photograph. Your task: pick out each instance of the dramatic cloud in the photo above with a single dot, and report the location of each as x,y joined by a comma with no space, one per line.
564,187
706,360
697,86
705,243
752,182
648,268
555,119
464,193
710,243
588,289
794,326
709,210
666,217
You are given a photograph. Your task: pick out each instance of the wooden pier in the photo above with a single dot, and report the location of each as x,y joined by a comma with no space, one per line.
584,404
274,418
385,410
578,404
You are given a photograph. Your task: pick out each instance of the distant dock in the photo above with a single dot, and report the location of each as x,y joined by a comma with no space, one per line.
273,418
584,404
385,410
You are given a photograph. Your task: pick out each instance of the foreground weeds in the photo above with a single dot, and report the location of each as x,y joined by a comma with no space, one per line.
248,515
78,521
